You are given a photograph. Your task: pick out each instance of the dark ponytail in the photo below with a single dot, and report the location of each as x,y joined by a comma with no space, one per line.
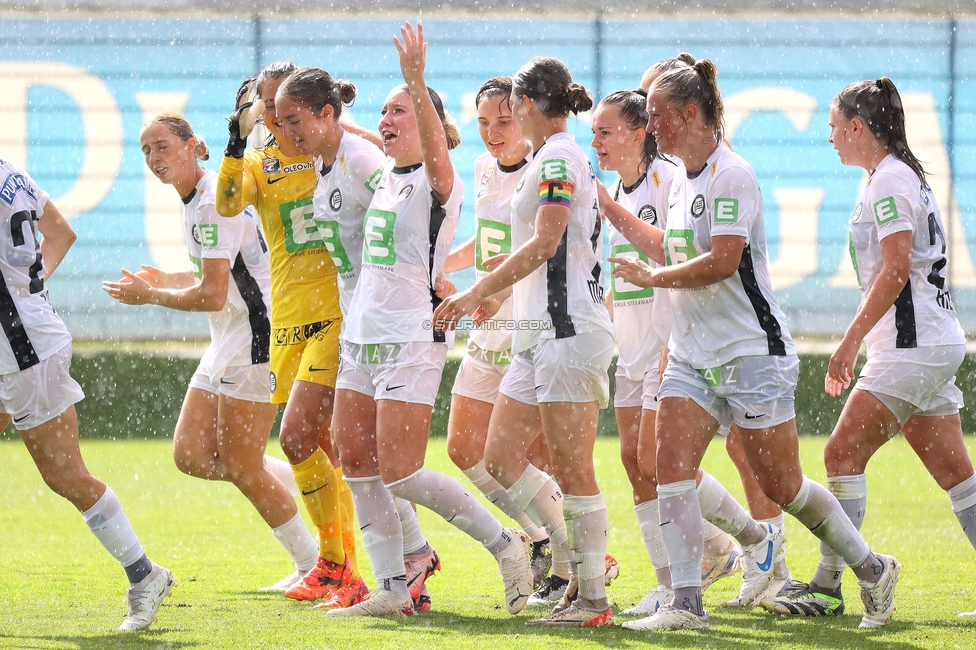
879,106
548,82
632,105
696,83
315,88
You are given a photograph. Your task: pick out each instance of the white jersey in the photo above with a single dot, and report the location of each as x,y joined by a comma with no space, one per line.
636,309
32,330
493,236
342,195
564,296
240,333
923,315
407,237
740,315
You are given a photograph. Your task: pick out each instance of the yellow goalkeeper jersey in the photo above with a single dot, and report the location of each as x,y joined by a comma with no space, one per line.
303,276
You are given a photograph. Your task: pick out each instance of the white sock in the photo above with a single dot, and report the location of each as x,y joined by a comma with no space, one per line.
817,509
681,527
298,542
779,521
721,508
413,538
649,518
852,494
110,525
284,473
539,497
446,497
586,517
380,524
963,499
498,496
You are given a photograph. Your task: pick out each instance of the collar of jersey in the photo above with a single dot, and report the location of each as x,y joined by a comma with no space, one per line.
508,169
189,197
628,190
408,169
327,169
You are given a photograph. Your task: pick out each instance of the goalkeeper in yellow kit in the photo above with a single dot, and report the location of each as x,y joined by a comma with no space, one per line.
279,181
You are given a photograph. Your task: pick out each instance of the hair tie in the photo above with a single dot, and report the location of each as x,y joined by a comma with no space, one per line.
879,84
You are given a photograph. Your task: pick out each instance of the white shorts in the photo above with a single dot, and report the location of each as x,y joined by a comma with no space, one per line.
40,393
403,372
481,373
627,393
249,383
574,369
754,392
915,380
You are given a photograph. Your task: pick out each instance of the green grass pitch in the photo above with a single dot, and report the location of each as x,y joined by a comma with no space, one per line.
60,589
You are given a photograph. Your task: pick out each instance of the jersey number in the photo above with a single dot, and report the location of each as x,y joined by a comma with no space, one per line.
17,221
936,276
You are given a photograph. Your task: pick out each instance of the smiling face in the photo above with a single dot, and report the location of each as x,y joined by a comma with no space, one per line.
398,129
666,124
499,130
614,142
299,124
169,158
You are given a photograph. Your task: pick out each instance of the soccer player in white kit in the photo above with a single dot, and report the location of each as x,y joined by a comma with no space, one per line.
642,325
563,341
391,353
497,172
915,343
226,417
731,359
309,104
38,394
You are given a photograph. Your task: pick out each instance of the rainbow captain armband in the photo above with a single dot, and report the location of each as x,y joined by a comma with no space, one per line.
556,193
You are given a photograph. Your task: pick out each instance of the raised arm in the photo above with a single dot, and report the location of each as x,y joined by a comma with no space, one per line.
433,140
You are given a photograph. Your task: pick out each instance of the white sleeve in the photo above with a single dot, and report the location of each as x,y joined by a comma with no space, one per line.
220,237
889,199
734,203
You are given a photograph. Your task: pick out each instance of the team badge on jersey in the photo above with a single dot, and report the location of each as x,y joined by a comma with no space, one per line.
195,232
486,180
648,214
272,382
857,212
271,166
698,206
405,192
335,201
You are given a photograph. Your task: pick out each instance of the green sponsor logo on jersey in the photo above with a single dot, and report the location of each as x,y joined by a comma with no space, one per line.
330,235
623,290
378,237
197,267
208,235
850,247
679,246
493,238
885,210
370,183
726,211
301,232
713,376
554,170
726,375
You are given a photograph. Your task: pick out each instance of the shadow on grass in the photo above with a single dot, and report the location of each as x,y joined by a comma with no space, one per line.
732,631
148,639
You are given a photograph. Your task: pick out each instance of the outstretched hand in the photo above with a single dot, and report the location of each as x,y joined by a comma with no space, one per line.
131,289
633,270
413,53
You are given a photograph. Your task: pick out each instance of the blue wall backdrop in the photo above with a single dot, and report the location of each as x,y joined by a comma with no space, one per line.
76,91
